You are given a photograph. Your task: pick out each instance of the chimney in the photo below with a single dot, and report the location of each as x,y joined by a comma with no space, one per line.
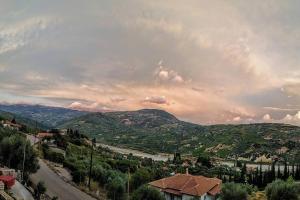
187,171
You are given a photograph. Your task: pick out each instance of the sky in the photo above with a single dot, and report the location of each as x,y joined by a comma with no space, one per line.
206,62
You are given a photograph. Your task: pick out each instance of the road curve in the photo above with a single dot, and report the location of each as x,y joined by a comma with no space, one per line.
56,186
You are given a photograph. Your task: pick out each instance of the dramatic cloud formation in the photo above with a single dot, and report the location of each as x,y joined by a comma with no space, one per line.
204,61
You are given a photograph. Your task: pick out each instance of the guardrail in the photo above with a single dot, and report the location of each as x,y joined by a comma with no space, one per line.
5,196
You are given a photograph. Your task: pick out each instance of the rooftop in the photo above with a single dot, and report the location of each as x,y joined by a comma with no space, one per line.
180,184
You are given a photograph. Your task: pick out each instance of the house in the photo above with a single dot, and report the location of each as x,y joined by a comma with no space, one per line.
44,135
188,187
8,172
8,181
11,125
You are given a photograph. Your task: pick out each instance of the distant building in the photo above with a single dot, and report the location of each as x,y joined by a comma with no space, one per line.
44,135
8,172
188,187
10,125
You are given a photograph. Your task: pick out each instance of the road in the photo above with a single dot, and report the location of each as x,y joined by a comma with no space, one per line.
20,192
56,186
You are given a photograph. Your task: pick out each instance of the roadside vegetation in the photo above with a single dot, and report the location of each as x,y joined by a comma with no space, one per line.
12,146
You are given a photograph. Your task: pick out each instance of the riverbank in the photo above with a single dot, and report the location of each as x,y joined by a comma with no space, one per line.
156,157
165,157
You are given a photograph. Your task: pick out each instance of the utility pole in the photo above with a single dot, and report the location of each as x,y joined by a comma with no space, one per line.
24,157
91,162
36,132
128,183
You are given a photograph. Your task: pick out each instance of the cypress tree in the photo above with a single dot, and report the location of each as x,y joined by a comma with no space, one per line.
273,173
260,176
297,174
278,172
230,175
293,170
285,172
243,173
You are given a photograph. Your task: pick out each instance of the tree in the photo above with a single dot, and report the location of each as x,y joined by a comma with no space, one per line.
285,171
279,176
116,189
140,177
40,190
232,191
273,173
12,153
281,190
13,121
243,173
203,157
147,192
79,175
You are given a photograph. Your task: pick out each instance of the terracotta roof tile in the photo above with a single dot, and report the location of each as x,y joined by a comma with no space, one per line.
188,184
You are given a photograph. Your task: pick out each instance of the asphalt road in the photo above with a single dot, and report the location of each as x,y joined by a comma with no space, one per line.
20,192
56,186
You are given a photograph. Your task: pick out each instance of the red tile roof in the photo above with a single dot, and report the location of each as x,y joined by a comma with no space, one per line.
9,181
42,135
188,184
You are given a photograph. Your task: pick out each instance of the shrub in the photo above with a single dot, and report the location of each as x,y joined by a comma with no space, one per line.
146,192
140,177
116,189
232,191
280,190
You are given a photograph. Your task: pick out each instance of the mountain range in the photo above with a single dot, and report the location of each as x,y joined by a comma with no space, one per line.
155,131
48,116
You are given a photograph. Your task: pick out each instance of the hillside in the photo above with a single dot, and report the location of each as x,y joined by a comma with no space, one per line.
48,116
22,120
159,131
150,130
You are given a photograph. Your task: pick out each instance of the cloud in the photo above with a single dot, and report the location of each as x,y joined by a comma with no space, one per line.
2,68
156,100
163,75
15,36
267,117
212,61
93,107
237,119
280,109
167,75
292,119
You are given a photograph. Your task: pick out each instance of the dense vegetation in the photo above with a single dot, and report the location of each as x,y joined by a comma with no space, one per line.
159,131
12,146
280,190
28,125
277,190
111,171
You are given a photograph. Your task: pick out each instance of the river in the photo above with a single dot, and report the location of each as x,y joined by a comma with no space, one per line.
155,157
165,157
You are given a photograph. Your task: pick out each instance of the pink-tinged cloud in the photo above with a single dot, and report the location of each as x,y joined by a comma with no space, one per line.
156,100
167,75
92,107
219,61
